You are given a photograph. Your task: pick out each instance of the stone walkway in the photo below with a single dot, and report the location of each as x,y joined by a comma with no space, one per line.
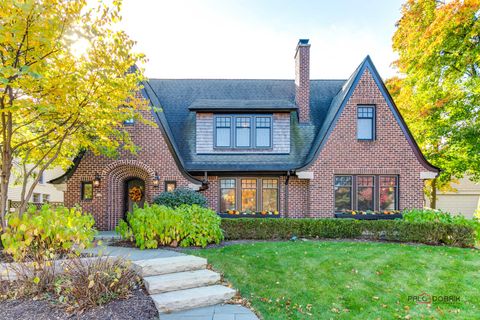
142,257
218,312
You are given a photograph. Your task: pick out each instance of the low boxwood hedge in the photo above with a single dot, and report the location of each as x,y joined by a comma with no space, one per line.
389,230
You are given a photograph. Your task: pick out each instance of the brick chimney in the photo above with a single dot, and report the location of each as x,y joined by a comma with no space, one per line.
302,80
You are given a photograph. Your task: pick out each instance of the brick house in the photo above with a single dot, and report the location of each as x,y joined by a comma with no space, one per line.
304,148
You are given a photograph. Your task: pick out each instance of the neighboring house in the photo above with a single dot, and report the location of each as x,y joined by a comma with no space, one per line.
305,148
464,199
43,192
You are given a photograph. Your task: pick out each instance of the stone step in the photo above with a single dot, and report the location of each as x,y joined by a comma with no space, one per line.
180,281
158,266
192,298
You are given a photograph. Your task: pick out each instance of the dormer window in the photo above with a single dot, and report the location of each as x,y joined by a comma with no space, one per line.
243,131
366,123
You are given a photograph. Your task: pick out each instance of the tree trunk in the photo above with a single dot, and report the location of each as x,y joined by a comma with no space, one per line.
4,180
433,196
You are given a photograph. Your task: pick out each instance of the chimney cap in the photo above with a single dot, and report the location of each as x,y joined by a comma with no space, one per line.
303,42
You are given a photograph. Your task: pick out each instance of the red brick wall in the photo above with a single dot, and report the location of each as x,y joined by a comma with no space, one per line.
302,82
108,203
390,153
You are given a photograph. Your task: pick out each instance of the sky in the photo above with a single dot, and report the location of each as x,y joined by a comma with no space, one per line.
256,39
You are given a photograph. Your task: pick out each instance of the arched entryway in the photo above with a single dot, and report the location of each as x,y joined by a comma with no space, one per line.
121,176
134,194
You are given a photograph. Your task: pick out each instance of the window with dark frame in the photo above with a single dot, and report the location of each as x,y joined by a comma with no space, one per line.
269,195
37,198
249,194
227,195
170,186
243,131
366,123
223,132
374,192
343,193
263,132
388,193
254,194
129,122
87,190
365,193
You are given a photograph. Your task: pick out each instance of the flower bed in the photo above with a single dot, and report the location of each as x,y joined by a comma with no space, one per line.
250,214
369,215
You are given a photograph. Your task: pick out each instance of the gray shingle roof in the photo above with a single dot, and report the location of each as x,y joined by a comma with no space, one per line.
241,104
177,96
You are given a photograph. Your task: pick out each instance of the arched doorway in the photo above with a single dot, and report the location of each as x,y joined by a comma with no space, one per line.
134,194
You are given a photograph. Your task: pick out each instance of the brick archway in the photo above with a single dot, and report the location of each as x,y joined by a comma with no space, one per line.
116,174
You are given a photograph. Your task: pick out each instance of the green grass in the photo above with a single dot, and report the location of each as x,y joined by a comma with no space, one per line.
350,280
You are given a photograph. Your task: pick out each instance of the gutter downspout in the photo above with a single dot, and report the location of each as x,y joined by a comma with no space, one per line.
205,182
286,193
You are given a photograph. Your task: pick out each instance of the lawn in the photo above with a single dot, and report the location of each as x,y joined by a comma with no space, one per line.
350,280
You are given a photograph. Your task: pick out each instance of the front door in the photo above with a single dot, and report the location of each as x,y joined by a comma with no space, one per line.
134,194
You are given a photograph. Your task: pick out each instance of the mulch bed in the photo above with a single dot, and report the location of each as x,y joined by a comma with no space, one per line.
138,306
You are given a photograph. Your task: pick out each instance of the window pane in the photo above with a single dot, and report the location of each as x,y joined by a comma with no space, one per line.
223,137
343,198
270,195
387,198
87,191
263,137
242,131
365,129
388,193
343,180
249,195
227,200
365,185
36,197
243,137
170,186
227,195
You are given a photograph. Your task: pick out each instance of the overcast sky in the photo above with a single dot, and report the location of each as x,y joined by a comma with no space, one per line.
256,39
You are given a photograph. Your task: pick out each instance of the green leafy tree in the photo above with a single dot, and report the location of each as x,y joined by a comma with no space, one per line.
438,91
66,83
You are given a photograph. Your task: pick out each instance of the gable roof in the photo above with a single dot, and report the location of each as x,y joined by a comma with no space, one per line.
341,99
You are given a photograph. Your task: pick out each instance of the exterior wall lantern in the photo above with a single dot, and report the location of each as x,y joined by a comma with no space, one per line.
156,180
96,181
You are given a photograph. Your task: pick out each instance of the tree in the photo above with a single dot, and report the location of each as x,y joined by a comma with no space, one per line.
438,90
66,84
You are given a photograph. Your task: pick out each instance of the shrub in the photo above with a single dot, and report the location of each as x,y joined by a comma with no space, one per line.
389,230
94,282
47,234
185,225
432,215
180,196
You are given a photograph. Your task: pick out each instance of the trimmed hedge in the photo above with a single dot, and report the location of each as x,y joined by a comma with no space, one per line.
389,230
180,196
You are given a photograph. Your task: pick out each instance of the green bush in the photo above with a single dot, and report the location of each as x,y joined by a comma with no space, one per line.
47,233
388,230
432,215
186,225
179,197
